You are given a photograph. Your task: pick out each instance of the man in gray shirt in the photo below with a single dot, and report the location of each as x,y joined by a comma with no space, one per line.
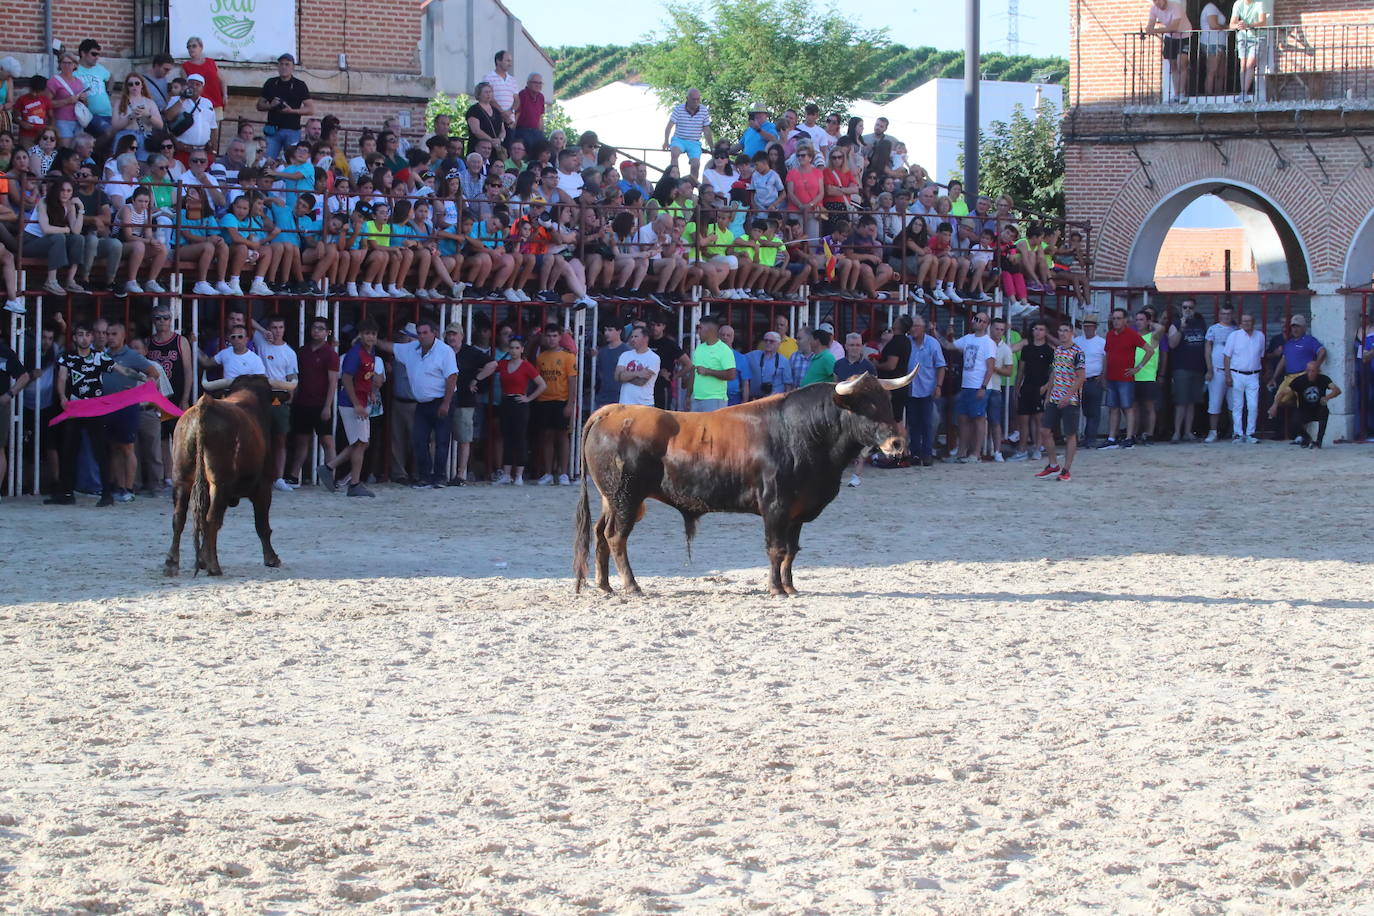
607,388
402,411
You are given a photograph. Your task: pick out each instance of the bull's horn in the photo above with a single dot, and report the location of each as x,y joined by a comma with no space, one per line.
892,384
848,385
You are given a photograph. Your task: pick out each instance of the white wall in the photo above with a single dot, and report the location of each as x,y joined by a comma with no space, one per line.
460,39
930,118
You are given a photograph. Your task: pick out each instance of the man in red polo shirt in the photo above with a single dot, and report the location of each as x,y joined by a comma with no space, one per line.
1123,342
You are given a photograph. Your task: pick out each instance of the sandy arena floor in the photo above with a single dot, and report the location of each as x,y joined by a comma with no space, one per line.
1145,691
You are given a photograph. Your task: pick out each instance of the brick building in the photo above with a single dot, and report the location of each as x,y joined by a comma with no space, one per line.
363,61
1294,161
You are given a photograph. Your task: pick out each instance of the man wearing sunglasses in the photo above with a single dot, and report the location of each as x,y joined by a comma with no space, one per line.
97,81
236,359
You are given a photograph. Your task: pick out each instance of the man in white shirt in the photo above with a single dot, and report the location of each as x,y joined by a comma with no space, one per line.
811,125
1095,363
979,353
236,359
569,178
504,86
637,369
282,366
204,127
432,370
1212,346
1242,355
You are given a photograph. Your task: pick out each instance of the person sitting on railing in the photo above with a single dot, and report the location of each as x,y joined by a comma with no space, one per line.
631,259
138,233
864,248
491,235
381,261
200,244
245,240
423,233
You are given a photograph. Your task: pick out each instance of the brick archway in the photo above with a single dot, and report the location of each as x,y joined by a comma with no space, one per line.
1281,258
1359,261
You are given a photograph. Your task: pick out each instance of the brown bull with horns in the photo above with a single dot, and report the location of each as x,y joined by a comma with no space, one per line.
781,458
222,453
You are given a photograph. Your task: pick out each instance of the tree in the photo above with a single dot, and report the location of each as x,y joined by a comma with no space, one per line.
777,53
1024,159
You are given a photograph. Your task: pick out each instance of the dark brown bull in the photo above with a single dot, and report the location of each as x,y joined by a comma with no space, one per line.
781,458
222,453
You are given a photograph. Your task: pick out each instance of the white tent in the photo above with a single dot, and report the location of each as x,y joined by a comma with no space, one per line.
625,115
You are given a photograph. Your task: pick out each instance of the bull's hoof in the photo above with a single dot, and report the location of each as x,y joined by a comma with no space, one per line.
273,561
605,588
214,571
635,590
777,591
171,570
791,592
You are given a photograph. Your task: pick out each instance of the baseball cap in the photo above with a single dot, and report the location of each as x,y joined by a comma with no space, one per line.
626,164
826,326
1298,319
454,327
195,78
287,56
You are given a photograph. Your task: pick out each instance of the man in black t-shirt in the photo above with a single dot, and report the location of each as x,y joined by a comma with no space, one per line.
470,362
1037,356
1188,366
286,100
671,358
1313,390
78,378
893,362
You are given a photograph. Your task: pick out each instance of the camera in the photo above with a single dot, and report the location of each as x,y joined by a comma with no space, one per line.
187,93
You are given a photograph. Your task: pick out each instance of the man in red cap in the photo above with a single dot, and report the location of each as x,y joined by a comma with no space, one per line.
632,176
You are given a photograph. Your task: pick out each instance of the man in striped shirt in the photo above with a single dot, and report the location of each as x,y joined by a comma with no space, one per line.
504,86
688,128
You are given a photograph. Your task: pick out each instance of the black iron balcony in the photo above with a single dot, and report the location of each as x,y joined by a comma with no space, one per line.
1277,68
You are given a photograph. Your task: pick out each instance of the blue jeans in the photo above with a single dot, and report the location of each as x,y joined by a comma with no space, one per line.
1120,395
283,138
1092,407
429,425
920,426
99,125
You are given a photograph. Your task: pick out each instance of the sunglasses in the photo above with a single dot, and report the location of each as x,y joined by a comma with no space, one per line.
162,317
168,146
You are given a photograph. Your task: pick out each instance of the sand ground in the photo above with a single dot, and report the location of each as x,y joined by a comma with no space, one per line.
1148,690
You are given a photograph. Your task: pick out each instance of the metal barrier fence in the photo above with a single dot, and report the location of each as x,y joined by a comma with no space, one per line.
1285,63
199,313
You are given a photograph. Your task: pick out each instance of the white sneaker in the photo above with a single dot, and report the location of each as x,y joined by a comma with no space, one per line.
282,485
351,289
512,296
458,289
1211,436
222,288
204,289
422,293
1015,436
502,480
133,287
524,296
998,457
1019,456
519,481
854,480
951,294
16,306
153,286
939,295
434,294
588,301
259,288
563,480
546,480
400,292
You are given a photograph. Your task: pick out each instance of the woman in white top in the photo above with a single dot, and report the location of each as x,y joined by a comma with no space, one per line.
1212,46
53,231
138,232
719,173
136,115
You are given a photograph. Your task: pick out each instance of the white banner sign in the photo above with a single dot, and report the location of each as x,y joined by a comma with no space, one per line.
256,30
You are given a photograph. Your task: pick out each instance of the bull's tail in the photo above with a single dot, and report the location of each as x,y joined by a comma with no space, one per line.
689,525
200,502
582,528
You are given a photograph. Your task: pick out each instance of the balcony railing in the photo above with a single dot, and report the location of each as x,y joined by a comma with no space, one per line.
1278,67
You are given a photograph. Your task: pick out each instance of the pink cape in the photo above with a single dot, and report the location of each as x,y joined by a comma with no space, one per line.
109,403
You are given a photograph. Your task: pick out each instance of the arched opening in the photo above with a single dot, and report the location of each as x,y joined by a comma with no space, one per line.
1359,261
1270,241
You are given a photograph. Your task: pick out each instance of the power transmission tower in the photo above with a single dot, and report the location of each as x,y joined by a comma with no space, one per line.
1013,26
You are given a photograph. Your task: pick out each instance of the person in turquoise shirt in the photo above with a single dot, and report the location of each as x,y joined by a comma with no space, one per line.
713,365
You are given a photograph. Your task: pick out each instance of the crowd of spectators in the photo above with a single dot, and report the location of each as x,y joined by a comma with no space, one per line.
499,209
